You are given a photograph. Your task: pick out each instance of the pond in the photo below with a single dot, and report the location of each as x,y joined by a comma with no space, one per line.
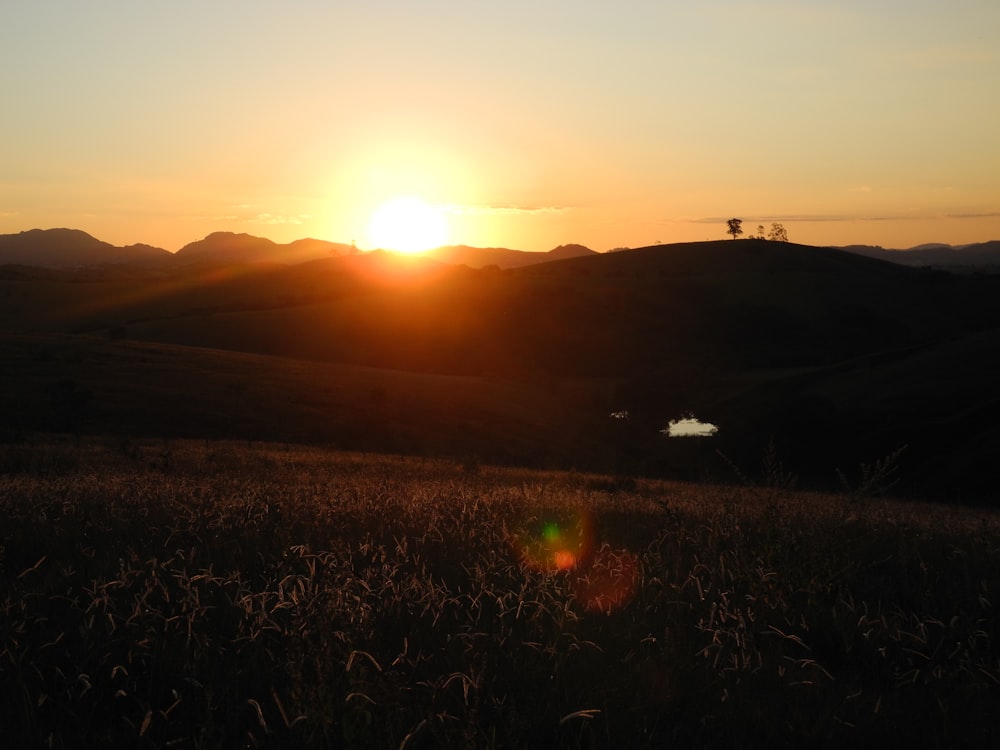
689,426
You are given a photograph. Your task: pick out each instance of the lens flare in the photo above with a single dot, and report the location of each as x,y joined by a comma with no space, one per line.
557,541
564,559
603,579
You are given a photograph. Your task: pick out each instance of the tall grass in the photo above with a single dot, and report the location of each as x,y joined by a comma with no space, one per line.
227,595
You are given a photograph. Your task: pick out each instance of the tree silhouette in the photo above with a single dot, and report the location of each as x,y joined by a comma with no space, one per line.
777,233
735,227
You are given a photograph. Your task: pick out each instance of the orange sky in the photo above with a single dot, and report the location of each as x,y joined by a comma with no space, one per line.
526,125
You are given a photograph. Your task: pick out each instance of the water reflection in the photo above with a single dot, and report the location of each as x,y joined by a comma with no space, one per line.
689,426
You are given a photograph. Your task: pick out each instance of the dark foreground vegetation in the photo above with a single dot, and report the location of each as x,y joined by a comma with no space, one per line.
213,594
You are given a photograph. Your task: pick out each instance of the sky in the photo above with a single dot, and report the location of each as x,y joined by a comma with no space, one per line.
525,124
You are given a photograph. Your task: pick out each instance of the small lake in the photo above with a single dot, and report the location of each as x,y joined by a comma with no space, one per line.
689,427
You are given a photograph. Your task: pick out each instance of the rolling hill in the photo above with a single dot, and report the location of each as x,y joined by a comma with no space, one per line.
836,358
501,257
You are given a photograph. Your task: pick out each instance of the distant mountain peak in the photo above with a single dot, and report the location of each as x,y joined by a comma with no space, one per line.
219,244
571,250
69,248
973,256
232,247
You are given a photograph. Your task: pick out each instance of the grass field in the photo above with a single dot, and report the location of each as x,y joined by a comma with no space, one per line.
214,594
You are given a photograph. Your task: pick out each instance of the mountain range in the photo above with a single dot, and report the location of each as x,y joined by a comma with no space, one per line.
75,249
72,248
938,255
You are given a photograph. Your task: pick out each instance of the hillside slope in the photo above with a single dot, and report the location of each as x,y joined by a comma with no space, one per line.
843,358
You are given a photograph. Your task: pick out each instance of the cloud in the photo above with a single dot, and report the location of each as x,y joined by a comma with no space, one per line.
271,219
917,216
503,210
827,218
241,214
760,219
980,215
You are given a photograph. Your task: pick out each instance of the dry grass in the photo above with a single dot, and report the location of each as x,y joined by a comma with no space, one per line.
234,595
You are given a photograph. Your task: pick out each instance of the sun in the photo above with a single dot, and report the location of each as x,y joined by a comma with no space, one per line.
407,225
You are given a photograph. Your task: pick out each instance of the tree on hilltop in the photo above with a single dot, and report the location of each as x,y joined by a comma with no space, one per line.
777,233
735,227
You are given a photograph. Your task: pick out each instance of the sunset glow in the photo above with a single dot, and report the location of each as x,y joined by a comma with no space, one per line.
592,124
407,225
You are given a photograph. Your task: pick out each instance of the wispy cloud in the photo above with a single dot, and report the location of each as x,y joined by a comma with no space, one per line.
502,210
272,219
830,218
790,218
821,218
979,215
249,214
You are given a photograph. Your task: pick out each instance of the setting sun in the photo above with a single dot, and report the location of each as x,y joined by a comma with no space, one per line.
407,225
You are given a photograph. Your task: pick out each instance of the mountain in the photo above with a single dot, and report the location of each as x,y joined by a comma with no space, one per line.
229,247
501,257
979,255
72,248
569,251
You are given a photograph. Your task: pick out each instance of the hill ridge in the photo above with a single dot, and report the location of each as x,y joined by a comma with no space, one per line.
69,248
66,248
843,357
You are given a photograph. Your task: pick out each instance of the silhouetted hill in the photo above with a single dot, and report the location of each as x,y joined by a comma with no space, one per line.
979,255
569,251
501,257
74,249
229,247
18,272
71,248
477,257
135,389
727,257
840,357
